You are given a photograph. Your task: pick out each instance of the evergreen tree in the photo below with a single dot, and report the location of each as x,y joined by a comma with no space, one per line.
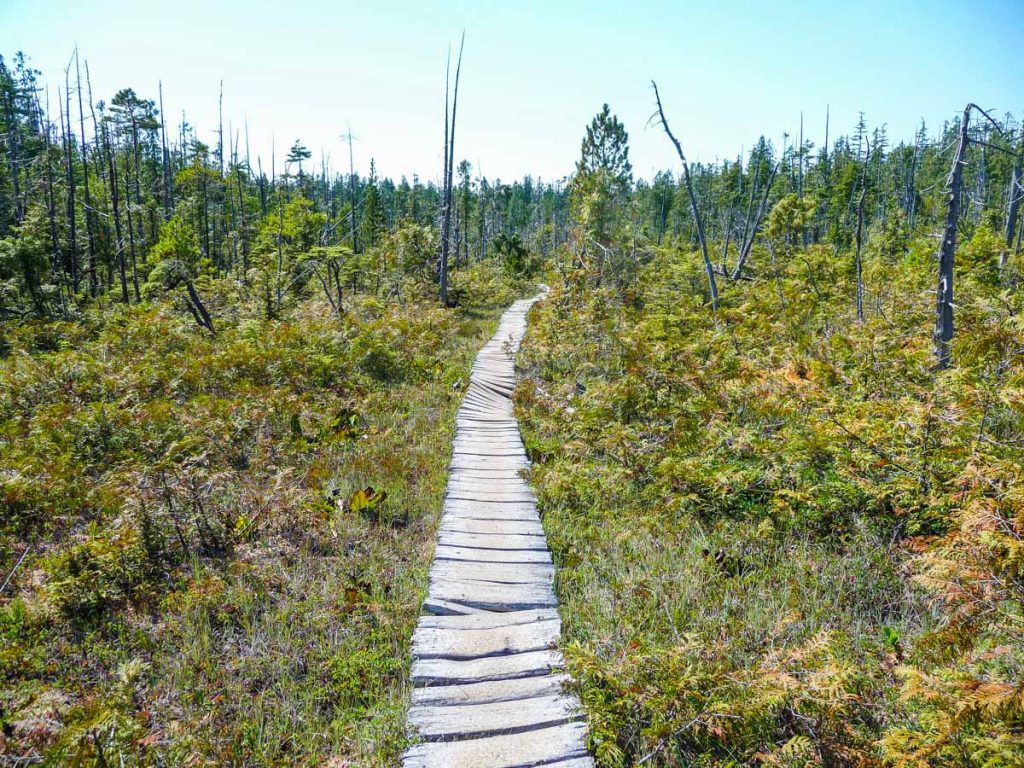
602,182
372,225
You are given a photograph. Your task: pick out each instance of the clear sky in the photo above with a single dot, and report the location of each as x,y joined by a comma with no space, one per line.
534,73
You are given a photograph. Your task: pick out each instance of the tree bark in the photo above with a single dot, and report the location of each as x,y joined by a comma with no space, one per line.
859,261
1012,209
115,200
165,160
947,250
198,304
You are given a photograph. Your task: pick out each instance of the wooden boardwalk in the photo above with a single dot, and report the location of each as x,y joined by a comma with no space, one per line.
488,690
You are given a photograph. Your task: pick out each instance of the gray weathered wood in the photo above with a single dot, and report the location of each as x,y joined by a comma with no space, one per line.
475,525
492,596
488,689
491,541
461,721
493,555
540,747
502,573
453,672
479,643
488,620
494,690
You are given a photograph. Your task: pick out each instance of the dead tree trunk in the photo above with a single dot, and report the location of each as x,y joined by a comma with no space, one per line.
859,260
197,303
947,249
131,230
165,160
115,201
57,259
67,139
449,158
748,242
708,266
93,282
1012,209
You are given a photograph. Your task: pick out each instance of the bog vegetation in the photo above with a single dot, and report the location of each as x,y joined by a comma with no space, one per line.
786,513
226,405
779,471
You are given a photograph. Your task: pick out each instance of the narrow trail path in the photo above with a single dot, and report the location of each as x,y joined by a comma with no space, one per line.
488,690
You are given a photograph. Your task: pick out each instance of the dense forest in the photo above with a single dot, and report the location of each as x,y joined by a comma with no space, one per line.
781,485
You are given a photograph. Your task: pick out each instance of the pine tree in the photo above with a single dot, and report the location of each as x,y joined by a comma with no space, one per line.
372,225
603,180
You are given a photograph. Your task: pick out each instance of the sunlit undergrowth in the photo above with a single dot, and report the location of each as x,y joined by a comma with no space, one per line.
782,538
226,537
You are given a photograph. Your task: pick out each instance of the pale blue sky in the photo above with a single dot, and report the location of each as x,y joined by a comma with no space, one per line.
534,73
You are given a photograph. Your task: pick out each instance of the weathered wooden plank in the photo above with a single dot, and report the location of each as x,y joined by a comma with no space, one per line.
475,494
493,484
486,508
494,690
488,445
483,393
573,762
488,394
490,512
450,552
502,410
507,573
464,473
441,607
491,541
462,449
492,596
529,526
478,643
488,620
463,721
449,672
478,473
488,462
548,745
492,440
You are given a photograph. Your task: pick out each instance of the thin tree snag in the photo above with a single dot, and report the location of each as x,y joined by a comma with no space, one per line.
116,203
708,266
859,263
165,160
197,303
1012,209
449,161
748,242
57,259
69,170
93,280
947,249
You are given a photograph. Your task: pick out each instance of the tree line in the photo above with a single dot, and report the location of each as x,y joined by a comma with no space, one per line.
963,180
107,199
